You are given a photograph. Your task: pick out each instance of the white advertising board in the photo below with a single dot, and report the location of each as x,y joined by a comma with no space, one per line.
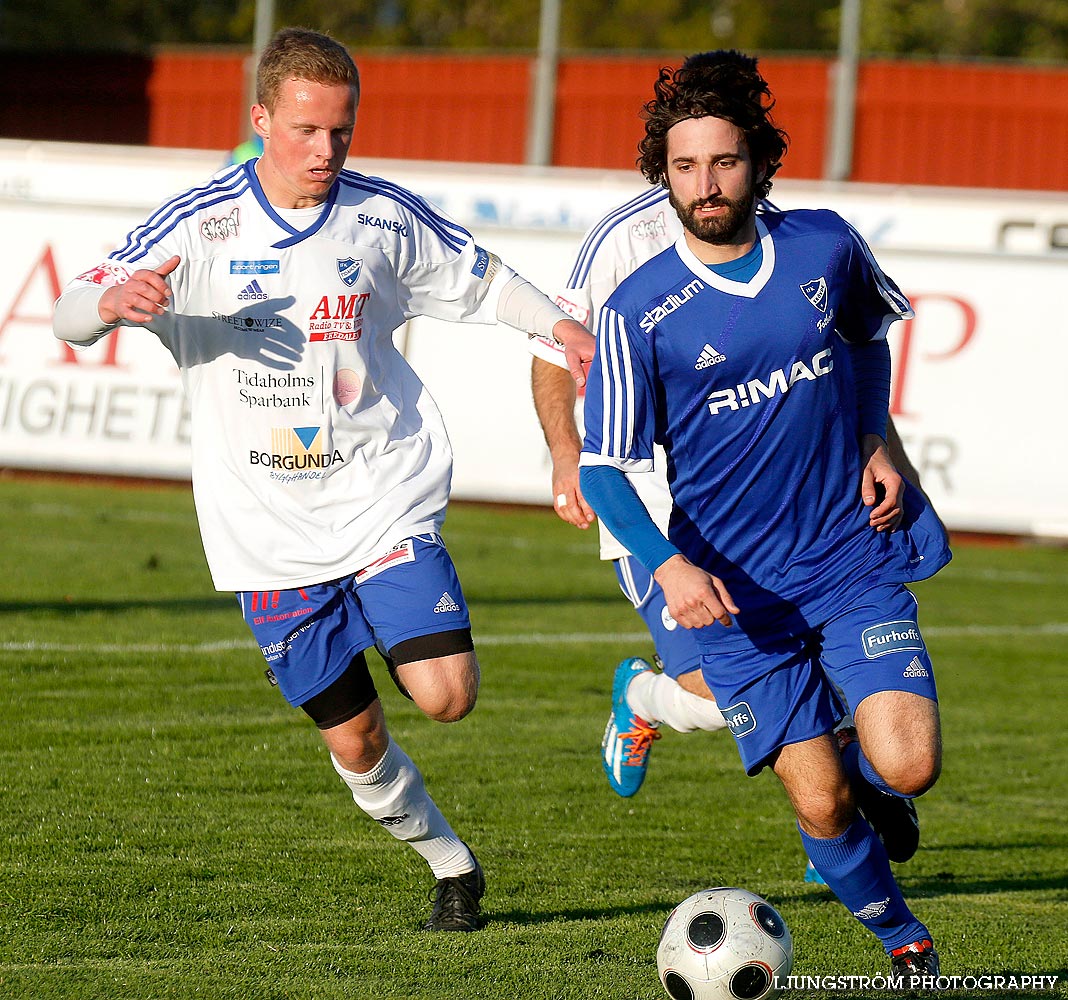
986,275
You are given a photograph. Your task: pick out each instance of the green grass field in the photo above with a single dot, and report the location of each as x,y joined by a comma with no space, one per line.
171,829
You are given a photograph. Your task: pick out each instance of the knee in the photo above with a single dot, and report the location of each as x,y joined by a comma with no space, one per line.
448,705
445,690
826,812
357,752
915,773
901,737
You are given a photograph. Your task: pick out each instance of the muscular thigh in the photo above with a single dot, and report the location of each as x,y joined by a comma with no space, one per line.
444,687
900,734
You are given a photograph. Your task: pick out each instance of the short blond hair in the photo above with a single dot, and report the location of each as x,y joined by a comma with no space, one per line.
302,54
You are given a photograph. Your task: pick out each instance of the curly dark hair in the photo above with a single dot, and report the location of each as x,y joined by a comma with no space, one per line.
722,84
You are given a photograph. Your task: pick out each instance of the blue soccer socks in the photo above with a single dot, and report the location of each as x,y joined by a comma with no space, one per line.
856,869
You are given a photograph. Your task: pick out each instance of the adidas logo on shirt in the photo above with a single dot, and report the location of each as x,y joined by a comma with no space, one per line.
915,669
709,357
446,604
252,293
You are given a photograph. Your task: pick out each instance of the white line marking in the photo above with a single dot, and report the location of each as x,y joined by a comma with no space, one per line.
526,639
114,647
1005,575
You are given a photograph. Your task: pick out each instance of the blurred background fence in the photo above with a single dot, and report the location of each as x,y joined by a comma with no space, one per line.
916,122
954,167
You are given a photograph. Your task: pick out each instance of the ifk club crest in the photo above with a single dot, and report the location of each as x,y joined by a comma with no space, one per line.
816,292
349,270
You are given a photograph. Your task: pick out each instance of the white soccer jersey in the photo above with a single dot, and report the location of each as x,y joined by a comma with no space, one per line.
315,446
619,243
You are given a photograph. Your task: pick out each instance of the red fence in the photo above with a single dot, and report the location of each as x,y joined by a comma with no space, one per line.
916,123
472,109
971,126
198,100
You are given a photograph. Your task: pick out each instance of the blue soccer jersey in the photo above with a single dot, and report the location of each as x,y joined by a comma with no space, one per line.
748,385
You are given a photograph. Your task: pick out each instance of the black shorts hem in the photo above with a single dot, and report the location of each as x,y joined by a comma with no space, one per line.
431,646
344,698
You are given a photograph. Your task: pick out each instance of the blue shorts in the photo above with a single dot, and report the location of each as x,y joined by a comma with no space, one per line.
783,692
676,647
309,635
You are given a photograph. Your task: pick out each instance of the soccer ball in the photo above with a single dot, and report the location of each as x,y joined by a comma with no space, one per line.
724,944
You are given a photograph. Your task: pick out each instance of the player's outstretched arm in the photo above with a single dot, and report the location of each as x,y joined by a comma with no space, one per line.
554,401
526,308
578,344
143,296
694,598
882,487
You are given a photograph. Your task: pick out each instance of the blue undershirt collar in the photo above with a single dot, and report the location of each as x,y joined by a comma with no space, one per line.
743,268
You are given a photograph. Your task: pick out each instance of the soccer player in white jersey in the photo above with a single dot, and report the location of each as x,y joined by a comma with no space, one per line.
642,698
321,466
754,350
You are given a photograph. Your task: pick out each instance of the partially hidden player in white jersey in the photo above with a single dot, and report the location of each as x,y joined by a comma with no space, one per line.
643,698
320,464
754,350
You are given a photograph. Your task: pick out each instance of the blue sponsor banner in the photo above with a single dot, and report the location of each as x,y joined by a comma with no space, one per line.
890,637
255,267
740,718
482,259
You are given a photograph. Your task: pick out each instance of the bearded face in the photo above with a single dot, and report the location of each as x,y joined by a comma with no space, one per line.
719,229
711,180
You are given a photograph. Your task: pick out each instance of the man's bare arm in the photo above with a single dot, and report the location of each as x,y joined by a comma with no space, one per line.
554,402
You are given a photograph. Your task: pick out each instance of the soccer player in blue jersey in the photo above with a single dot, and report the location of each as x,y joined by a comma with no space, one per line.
320,464
643,698
754,351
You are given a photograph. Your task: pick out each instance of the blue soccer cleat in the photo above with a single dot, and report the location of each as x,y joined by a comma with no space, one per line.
811,875
628,739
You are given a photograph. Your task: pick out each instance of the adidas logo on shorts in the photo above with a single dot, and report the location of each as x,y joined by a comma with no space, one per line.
915,669
709,357
446,604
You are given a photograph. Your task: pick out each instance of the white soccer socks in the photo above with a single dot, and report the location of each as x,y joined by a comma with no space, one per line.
656,697
392,793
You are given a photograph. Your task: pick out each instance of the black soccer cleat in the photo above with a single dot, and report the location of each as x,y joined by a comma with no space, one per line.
893,818
913,963
457,902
